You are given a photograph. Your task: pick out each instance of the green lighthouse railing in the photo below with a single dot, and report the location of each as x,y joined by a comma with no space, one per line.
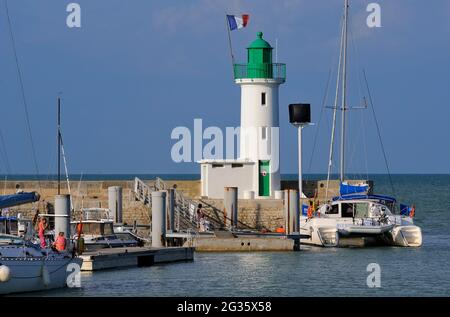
272,71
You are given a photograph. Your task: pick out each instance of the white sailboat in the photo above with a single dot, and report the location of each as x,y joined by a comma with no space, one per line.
24,266
355,218
360,220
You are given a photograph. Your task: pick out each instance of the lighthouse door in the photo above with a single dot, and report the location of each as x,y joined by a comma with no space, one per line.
264,178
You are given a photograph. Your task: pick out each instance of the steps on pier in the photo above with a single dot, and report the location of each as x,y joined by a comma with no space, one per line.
185,208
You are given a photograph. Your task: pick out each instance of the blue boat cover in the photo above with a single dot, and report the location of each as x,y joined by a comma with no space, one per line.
8,218
374,197
18,199
304,210
346,189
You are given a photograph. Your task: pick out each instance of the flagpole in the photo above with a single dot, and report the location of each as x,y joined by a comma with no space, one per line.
276,50
230,45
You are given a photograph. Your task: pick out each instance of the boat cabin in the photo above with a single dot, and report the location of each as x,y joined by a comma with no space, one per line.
15,226
95,228
95,221
354,206
9,225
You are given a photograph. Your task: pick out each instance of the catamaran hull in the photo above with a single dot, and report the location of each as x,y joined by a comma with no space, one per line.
320,236
30,275
406,236
402,236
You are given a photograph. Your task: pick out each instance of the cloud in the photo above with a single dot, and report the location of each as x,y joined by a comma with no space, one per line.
201,16
192,16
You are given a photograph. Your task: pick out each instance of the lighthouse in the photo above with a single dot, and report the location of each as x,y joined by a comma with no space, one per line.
256,172
259,136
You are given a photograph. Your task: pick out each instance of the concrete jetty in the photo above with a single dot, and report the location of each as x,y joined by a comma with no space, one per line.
244,244
227,241
114,258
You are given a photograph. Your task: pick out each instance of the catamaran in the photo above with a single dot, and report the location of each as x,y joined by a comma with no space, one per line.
355,217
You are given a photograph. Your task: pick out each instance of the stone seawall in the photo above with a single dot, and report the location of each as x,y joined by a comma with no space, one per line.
254,214
92,194
260,213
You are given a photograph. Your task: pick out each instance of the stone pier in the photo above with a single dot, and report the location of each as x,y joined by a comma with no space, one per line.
253,213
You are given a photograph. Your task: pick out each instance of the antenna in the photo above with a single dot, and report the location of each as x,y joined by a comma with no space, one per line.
59,145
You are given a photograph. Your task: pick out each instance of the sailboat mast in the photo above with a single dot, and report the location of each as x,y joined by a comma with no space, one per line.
59,146
335,107
344,94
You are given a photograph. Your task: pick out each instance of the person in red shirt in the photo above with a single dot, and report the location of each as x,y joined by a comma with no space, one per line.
310,210
43,225
60,243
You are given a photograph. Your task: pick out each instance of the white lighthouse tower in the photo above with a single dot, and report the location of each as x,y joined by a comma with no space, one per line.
257,170
259,142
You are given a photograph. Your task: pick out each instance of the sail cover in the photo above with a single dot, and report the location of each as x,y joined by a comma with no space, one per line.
346,189
18,199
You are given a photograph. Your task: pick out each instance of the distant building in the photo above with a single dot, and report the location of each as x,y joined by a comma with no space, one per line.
257,170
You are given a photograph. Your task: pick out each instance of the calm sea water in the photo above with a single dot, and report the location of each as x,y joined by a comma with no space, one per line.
421,271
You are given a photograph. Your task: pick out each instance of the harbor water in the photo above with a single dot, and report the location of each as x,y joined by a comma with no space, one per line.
314,271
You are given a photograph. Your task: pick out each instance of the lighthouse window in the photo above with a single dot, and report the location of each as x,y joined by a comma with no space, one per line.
264,133
263,99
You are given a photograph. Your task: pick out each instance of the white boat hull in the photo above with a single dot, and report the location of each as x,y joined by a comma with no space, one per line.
364,230
29,275
329,233
322,232
407,236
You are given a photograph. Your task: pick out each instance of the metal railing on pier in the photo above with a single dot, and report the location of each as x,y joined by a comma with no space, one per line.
185,208
143,191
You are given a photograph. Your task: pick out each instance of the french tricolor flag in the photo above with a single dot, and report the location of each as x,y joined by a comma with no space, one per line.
237,21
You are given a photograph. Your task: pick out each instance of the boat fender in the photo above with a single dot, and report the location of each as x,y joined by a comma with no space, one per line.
5,273
80,245
45,275
412,211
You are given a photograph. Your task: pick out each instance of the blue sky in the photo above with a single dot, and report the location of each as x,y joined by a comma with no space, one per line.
137,69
